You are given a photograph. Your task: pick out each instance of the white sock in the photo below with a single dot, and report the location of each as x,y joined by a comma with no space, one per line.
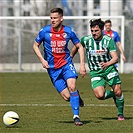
75,116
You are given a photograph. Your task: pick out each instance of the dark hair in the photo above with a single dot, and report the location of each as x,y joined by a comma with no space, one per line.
108,21
59,10
98,22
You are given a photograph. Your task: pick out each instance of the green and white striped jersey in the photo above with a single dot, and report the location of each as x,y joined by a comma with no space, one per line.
98,51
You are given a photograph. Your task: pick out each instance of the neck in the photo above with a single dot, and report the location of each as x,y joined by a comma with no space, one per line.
108,30
99,39
58,28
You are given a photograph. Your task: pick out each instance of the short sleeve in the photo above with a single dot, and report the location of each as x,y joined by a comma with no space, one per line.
40,37
82,41
74,38
112,46
117,39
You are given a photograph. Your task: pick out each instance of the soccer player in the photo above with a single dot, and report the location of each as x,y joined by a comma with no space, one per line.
113,34
57,59
101,55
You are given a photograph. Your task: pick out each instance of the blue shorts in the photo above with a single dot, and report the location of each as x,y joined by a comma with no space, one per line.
59,76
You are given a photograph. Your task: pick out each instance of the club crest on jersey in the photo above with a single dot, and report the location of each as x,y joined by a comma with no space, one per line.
112,36
105,46
50,34
64,35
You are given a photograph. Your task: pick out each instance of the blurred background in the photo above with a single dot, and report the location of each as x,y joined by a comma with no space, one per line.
17,34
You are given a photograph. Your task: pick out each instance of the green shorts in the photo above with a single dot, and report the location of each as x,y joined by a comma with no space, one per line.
109,75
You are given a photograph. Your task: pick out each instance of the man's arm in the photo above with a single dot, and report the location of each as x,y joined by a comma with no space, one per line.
113,61
121,50
73,51
39,55
78,47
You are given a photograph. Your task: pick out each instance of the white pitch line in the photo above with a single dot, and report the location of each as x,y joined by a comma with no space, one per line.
60,105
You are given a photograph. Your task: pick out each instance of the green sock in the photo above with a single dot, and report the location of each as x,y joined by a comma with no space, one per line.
120,104
109,94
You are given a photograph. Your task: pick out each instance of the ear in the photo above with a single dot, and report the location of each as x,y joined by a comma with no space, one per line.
62,18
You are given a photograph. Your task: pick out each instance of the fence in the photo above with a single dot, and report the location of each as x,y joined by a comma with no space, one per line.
18,34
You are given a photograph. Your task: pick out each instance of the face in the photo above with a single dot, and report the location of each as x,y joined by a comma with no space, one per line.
108,26
56,20
96,32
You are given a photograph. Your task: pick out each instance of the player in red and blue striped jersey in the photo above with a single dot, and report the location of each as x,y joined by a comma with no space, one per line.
57,59
115,36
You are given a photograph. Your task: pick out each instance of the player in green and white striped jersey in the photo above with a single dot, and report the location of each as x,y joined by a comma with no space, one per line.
101,55
98,51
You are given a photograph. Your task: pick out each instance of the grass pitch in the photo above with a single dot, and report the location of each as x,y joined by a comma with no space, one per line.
42,110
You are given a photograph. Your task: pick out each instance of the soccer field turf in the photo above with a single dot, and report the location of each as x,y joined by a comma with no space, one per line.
42,110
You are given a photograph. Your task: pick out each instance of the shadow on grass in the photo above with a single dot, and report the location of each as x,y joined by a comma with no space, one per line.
127,90
12,127
99,120
84,121
115,118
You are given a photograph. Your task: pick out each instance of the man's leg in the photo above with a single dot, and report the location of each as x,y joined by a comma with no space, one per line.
74,100
119,99
65,94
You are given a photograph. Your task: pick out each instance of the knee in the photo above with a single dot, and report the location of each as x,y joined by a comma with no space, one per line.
99,95
66,97
72,88
118,93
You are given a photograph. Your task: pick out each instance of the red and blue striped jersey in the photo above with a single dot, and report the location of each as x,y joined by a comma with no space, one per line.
55,44
113,34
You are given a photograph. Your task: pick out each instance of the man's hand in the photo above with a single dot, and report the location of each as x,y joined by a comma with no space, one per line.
45,64
82,70
104,65
124,58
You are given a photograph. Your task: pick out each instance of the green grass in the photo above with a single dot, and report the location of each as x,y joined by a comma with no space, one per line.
20,92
